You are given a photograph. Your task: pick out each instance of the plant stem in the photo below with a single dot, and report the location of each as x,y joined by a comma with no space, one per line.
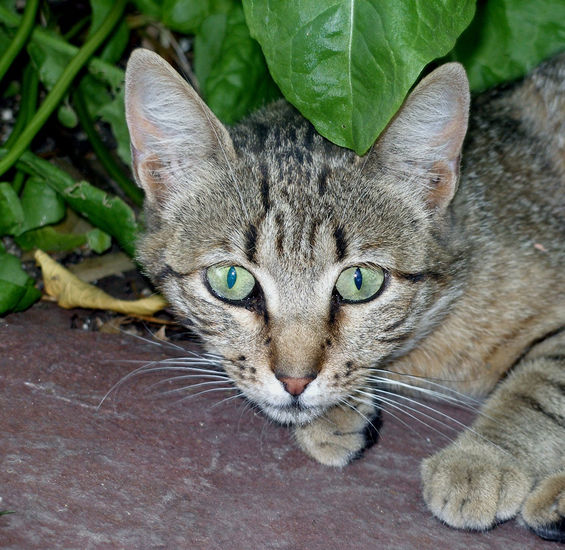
18,181
104,156
48,40
76,28
30,84
21,37
62,85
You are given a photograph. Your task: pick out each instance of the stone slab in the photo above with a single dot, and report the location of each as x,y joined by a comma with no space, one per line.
152,472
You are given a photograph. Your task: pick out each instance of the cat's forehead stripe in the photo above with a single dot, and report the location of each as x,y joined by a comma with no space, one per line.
251,242
340,242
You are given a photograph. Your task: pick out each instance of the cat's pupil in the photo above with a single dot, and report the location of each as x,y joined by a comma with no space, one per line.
231,277
358,278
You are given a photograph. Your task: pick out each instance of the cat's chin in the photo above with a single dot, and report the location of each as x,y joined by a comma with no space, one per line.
292,415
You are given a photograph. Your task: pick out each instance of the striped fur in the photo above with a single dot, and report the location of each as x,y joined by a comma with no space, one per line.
474,267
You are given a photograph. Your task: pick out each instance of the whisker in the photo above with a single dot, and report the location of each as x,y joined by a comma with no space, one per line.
395,416
404,410
174,379
162,365
355,409
193,395
426,391
186,388
430,381
414,401
226,399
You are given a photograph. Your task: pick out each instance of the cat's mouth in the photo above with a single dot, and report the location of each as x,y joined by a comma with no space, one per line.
292,413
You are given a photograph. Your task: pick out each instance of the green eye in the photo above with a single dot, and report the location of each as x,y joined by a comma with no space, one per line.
230,282
359,284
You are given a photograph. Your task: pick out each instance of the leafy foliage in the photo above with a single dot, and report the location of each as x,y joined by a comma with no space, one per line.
346,65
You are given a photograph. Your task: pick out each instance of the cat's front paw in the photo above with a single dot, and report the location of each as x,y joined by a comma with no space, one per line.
473,488
338,437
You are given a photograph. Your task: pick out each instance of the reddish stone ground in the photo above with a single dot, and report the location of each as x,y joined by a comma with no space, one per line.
142,472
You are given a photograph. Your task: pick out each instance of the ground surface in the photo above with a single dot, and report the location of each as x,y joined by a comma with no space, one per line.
144,473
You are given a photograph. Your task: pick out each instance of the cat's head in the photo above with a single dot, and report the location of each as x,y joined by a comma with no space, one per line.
302,264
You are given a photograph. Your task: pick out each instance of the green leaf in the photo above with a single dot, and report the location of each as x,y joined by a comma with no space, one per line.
16,287
208,45
11,212
230,67
347,65
49,63
107,212
41,205
98,240
508,38
184,15
8,4
50,240
116,45
5,40
114,114
67,116
187,16
149,7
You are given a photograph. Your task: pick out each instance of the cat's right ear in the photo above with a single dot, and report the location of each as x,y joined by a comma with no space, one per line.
423,142
175,137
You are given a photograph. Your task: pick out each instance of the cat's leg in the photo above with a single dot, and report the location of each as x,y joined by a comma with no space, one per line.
513,458
340,435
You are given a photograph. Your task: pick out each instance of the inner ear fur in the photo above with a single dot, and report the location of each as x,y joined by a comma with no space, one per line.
423,141
174,135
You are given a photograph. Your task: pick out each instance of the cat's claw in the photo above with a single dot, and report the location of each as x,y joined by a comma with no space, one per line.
338,437
473,488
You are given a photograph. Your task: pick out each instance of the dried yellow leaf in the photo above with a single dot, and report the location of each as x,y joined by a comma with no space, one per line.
70,291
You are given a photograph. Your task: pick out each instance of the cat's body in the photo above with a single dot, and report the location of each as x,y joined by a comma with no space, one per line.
468,283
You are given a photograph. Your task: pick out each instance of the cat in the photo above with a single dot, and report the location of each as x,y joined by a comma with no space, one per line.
326,280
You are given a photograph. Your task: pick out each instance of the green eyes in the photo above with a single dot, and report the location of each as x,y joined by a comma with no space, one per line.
359,284
355,284
230,282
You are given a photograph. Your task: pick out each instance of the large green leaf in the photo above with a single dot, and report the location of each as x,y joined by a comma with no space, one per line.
507,38
348,64
230,66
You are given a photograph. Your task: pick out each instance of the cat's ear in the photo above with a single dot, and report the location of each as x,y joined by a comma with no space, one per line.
175,137
423,142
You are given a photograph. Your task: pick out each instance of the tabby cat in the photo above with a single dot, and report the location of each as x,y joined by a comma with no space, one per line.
325,280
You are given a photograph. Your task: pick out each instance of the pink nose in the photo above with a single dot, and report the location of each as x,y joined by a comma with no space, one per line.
295,386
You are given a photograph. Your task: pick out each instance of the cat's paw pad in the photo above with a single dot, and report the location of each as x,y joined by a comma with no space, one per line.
337,439
473,488
544,509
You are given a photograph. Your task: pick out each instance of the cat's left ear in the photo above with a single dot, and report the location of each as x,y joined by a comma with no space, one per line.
176,140
423,141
